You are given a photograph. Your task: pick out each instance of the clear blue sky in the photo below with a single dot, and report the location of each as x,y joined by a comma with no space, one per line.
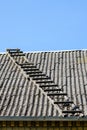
41,25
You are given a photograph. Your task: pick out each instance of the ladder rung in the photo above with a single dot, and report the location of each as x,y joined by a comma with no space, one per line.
72,111
30,63
28,66
41,78
56,94
30,69
45,81
14,52
33,75
49,85
52,90
33,72
63,102
18,55
11,50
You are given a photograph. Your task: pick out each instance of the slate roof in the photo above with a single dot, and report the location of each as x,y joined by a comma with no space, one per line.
20,96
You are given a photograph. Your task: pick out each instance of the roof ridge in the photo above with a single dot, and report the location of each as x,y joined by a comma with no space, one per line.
55,51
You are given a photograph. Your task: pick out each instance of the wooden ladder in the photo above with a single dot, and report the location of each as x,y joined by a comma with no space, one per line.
45,82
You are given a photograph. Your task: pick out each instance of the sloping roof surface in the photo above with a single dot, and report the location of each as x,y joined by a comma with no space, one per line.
68,69
21,97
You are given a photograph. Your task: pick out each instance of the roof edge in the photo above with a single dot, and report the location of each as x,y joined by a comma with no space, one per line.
55,51
50,51
24,118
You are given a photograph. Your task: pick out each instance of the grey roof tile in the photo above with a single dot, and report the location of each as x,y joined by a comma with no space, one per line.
21,97
68,69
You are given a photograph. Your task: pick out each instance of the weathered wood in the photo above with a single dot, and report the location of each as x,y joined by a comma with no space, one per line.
17,54
49,85
57,94
40,78
28,66
12,50
30,69
45,81
52,90
72,111
63,102
34,75
33,72
26,63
